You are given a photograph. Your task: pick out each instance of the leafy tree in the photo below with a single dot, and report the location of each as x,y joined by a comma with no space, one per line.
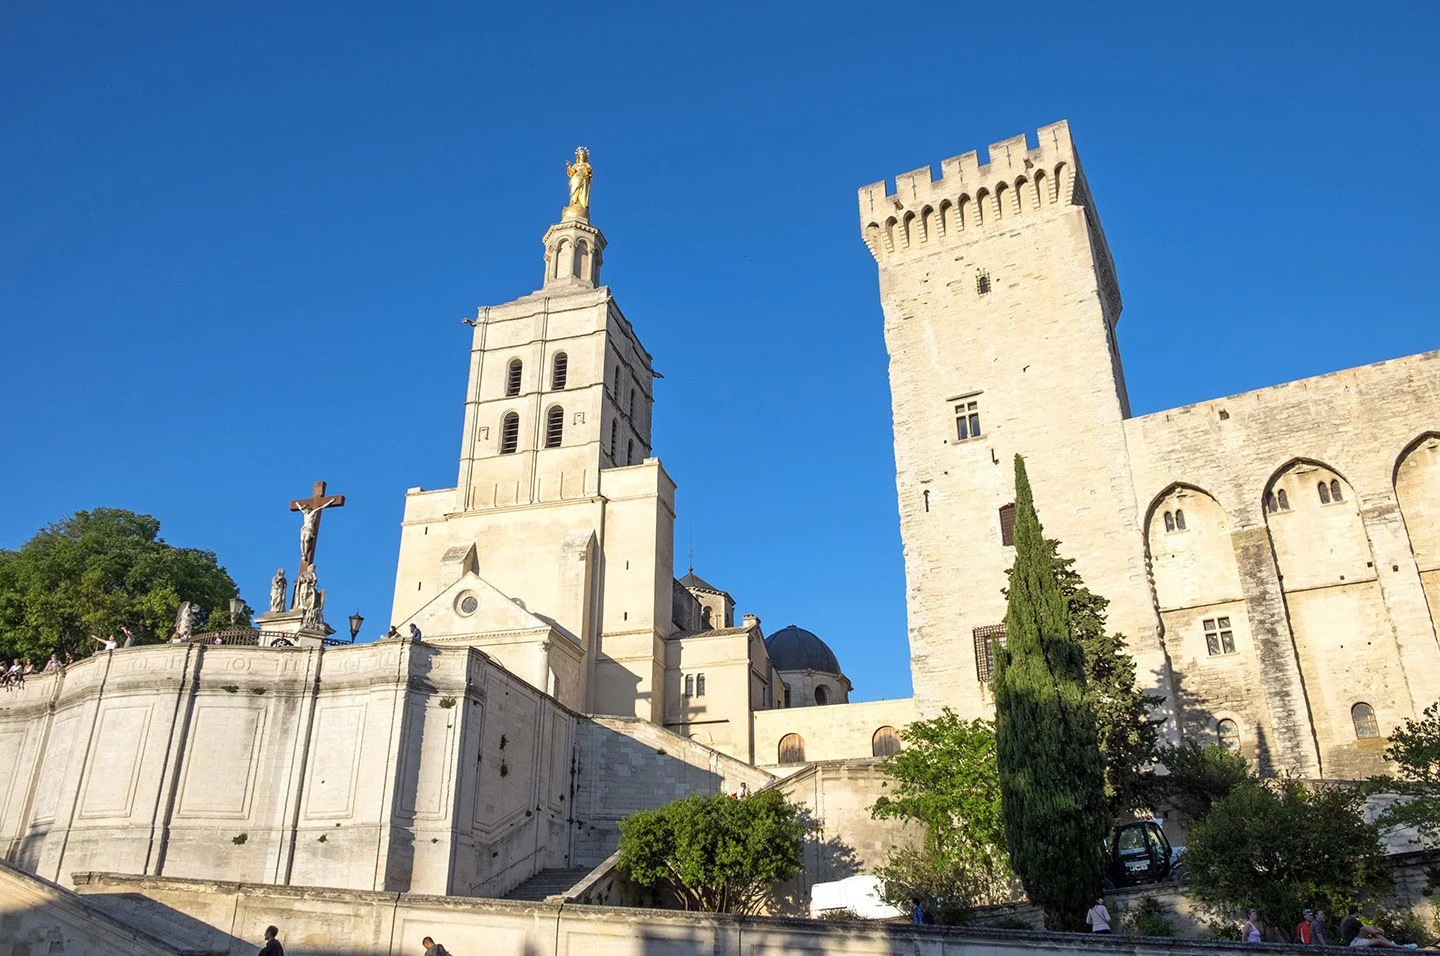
947,781
1129,736
1283,846
1415,750
715,853
1052,774
1199,776
95,572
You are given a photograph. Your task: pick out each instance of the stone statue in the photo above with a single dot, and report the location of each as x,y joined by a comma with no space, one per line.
580,173
305,590
314,617
278,588
309,527
185,620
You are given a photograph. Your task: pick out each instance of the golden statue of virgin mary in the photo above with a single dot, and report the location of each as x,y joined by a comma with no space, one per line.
579,173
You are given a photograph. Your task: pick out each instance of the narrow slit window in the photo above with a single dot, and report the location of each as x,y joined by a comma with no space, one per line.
689,685
967,420
632,403
1179,520
554,427
614,430
700,685
559,371
630,451
509,433
1219,637
512,378
1169,521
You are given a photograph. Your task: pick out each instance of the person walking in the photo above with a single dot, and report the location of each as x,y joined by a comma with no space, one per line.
433,948
1350,926
1317,929
1098,917
1250,929
272,945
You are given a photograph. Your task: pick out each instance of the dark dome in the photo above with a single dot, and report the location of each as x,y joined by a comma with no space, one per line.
796,649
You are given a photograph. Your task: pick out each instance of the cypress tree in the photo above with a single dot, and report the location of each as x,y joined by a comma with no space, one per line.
1052,775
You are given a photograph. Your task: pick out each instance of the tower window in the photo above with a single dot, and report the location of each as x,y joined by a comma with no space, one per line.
512,378
1219,638
614,428
559,370
700,685
1229,733
509,433
1169,521
689,685
1179,520
630,451
987,641
1007,525
1277,501
1324,493
632,403
982,282
705,618
554,426
1363,716
1335,490
792,749
967,420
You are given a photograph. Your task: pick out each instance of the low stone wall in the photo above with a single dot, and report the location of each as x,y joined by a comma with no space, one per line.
321,922
37,916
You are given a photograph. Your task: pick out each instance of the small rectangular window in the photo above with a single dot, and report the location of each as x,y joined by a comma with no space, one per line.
1219,638
982,282
967,420
1007,525
987,640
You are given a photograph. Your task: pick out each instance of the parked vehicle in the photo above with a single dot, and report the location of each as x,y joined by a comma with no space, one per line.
858,894
1140,853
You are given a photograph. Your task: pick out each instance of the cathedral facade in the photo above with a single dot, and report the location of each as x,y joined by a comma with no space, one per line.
1272,557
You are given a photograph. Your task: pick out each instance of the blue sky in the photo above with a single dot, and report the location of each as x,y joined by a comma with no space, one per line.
234,245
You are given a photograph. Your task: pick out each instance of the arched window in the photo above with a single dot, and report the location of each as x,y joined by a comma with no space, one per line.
1366,726
705,618
689,685
1271,505
562,257
559,370
554,426
1282,500
630,452
822,694
512,378
1229,733
700,685
509,433
632,403
614,427
582,260
792,749
785,695
1179,520
1335,490
1324,493
885,742
1169,521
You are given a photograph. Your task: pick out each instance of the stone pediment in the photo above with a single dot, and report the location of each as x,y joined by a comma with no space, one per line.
472,605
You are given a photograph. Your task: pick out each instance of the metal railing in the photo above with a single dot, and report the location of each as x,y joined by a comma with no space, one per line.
252,637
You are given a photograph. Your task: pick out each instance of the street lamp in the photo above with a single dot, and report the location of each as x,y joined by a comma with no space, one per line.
355,621
237,607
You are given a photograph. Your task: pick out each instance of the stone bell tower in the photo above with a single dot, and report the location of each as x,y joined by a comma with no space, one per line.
559,504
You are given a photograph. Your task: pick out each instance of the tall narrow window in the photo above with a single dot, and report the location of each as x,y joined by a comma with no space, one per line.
614,427
884,742
1219,638
1169,521
982,282
1335,490
1007,525
632,404
1282,500
554,426
792,749
700,685
630,452
509,433
559,371
785,694
1366,726
988,640
689,685
1324,493
512,378
1271,505
705,618
1229,733
967,420
1179,520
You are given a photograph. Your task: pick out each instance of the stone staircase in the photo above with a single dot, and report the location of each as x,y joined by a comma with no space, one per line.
549,882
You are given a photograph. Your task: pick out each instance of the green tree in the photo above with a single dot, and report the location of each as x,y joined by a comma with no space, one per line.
95,572
947,780
715,853
1052,774
1415,751
1200,776
1283,846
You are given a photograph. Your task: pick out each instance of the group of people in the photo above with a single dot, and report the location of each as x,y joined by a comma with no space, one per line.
272,945
1311,931
15,674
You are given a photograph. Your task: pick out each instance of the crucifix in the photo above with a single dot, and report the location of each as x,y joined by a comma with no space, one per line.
310,528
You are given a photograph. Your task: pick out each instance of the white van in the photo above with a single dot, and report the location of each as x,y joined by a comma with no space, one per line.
859,894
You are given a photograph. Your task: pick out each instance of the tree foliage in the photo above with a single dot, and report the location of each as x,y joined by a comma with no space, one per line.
717,853
1283,846
1052,774
1129,736
95,572
1200,776
1415,751
946,779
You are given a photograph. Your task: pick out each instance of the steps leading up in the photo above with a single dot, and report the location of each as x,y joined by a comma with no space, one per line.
549,882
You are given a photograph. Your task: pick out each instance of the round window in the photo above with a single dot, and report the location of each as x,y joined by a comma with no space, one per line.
468,604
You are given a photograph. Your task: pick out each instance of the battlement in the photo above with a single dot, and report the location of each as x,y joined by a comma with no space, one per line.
1015,180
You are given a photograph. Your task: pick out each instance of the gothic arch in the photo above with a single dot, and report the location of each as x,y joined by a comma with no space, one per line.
581,268
1002,195
890,226
982,199
1062,190
964,214
563,258
1417,475
872,237
927,224
947,217
1042,188
907,229
1022,195
1421,439
1192,560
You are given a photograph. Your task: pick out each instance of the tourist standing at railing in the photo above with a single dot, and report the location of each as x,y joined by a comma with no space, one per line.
107,643
53,664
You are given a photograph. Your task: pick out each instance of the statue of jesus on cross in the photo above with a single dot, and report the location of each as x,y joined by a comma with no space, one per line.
310,526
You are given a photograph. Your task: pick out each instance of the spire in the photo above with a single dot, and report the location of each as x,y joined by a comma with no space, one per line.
572,245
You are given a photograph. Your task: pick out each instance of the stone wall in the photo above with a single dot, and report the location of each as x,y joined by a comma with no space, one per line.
832,732
38,918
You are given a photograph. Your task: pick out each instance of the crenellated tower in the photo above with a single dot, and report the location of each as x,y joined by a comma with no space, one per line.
1000,304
